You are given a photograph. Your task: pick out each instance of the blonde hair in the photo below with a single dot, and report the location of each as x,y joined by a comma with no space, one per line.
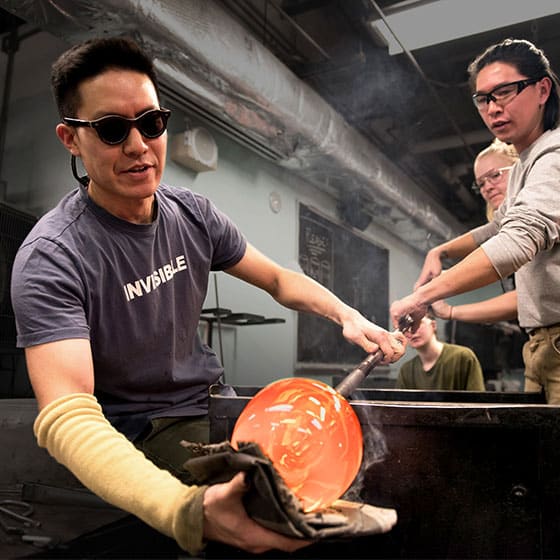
503,149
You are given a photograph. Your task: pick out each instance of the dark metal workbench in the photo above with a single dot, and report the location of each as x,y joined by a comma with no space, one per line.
468,479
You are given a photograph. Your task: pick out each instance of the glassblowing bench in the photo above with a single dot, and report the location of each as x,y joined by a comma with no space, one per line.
474,479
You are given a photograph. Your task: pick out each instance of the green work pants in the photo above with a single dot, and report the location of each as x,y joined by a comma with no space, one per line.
162,445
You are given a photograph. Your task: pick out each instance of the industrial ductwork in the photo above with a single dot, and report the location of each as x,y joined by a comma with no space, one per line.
210,64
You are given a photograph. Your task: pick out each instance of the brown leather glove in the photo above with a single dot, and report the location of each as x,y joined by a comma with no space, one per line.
271,503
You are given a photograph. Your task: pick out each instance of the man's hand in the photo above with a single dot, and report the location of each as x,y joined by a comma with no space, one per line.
226,521
371,337
431,268
441,309
409,305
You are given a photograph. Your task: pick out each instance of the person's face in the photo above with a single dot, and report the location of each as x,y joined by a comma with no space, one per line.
492,182
125,173
520,120
424,333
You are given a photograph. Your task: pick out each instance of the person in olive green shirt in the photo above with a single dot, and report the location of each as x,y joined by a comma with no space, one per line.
439,365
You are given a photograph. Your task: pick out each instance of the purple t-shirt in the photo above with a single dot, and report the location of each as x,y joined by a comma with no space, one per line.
135,291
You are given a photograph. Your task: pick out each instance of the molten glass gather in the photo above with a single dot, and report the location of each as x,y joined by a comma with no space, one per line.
310,433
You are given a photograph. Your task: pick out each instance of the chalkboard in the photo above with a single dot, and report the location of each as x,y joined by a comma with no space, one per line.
352,267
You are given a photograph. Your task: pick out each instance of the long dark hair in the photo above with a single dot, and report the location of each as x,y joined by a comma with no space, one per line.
529,61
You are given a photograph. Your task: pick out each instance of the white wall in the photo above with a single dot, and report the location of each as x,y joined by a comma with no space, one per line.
37,171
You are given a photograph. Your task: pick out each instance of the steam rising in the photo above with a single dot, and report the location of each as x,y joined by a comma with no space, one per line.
375,451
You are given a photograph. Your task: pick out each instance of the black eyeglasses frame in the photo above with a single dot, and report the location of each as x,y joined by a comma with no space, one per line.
96,124
521,85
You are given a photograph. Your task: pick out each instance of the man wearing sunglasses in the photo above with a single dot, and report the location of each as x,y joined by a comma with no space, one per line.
107,291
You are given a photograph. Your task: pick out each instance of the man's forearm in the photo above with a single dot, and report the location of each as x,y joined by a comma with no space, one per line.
302,293
457,248
75,432
474,271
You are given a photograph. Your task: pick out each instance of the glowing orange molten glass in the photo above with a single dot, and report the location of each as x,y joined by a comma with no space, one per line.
310,433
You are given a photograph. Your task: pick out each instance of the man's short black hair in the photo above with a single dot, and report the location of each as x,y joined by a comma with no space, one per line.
91,58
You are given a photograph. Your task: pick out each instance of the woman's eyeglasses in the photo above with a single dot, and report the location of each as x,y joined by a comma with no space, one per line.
503,94
113,129
491,177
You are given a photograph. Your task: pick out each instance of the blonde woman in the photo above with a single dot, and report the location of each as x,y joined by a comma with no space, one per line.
491,171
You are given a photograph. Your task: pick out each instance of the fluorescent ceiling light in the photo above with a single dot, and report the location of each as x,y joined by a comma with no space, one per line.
444,20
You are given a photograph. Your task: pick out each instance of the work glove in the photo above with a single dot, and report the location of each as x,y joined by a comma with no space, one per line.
272,504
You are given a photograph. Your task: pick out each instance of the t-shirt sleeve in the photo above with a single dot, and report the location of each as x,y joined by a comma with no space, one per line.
48,295
229,244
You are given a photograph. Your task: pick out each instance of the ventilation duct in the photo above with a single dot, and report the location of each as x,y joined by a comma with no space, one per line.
209,63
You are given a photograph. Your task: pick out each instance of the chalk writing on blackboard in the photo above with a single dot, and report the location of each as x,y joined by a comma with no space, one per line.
352,267
316,258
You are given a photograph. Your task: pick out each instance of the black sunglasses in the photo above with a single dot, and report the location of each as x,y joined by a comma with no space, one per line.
113,129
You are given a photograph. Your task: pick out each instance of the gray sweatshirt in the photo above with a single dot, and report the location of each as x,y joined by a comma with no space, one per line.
524,235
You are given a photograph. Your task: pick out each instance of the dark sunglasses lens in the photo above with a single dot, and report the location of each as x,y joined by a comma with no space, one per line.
113,130
153,124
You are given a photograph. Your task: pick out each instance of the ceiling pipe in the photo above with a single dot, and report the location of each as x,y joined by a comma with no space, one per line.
213,63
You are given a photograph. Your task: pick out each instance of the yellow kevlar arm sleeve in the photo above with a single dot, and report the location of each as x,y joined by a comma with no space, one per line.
77,434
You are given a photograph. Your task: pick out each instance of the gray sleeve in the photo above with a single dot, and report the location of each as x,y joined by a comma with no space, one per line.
48,296
532,223
485,232
229,244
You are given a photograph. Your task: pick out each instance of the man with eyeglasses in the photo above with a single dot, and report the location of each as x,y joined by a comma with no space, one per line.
107,291
517,96
502,94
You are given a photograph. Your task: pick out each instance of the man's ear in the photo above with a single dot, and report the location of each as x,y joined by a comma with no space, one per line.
67,135
545,86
